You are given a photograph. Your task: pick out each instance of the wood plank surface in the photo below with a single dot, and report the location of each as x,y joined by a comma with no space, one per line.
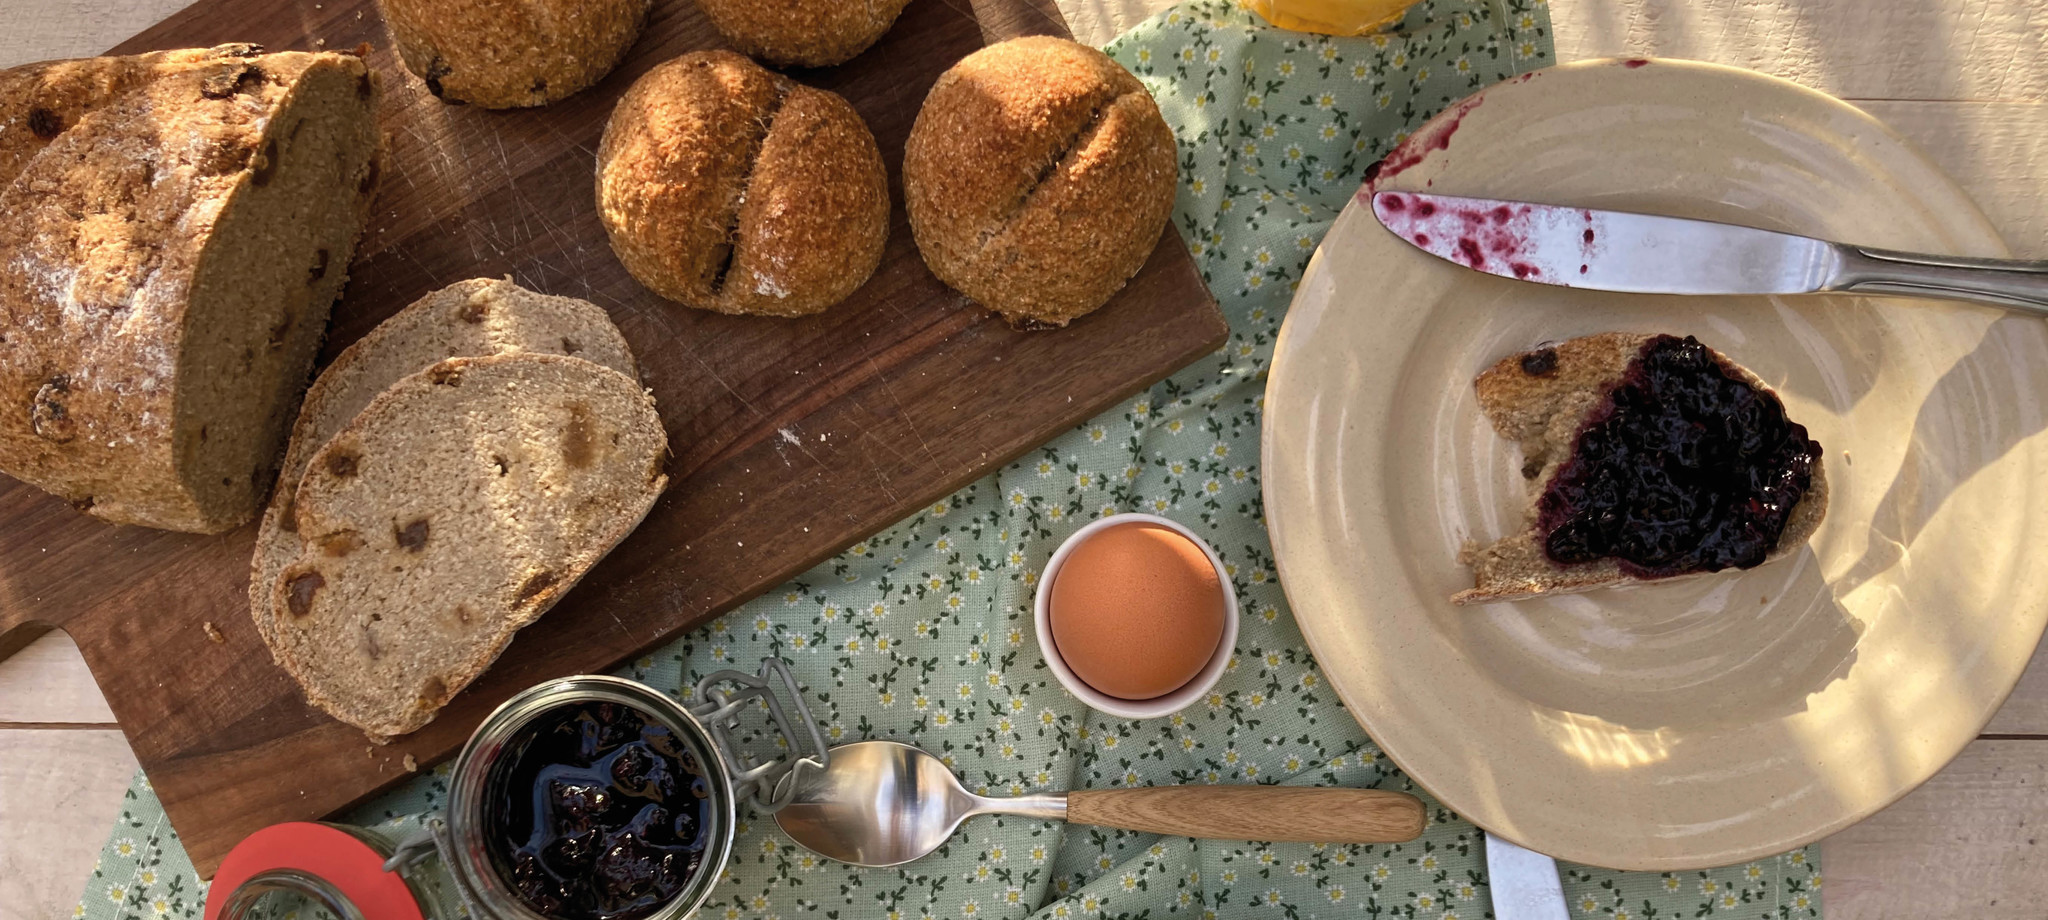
60,791
790,438
1950,849
1950,50
1971,843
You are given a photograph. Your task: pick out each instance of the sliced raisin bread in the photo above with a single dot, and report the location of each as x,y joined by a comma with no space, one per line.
166,269
1550,400
455,509
481,316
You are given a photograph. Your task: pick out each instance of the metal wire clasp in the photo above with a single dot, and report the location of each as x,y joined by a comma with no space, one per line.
772,783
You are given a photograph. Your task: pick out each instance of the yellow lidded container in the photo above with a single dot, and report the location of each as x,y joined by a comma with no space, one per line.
1332,17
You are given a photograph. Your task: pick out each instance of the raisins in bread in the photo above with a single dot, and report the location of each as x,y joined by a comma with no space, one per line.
481,316
469,518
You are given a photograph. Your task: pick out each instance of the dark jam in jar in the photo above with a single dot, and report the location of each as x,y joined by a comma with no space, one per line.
596,812
1686,468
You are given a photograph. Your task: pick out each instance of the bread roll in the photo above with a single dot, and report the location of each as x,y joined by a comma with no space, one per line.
802,33
1038,177
729,188
507,54
167,264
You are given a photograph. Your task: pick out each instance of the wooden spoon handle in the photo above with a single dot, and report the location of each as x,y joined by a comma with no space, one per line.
1299,813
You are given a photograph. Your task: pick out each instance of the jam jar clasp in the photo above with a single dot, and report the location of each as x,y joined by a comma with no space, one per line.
772,783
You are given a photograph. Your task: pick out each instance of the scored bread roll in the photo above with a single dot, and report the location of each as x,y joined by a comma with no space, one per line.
725,187
1038,177
802,33
503,54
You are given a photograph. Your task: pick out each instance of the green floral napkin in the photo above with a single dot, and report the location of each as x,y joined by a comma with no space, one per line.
924,634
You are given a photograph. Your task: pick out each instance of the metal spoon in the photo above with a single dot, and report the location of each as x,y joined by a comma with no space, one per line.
880,803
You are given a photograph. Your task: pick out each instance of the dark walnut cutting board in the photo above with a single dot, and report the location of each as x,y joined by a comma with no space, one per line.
791,439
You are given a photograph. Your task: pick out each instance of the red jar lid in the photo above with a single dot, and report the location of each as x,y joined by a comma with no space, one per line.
343,860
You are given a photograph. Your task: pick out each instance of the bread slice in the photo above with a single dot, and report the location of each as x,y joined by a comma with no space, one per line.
481,316
1541,400
455,509
167,265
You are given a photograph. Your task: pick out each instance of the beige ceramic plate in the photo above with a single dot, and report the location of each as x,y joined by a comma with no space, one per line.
1718,719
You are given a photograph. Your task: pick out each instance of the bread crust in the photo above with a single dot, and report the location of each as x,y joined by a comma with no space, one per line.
802,33
40,101
1543,414
454,510
512,55
474,318
106,232
1038,177
725,187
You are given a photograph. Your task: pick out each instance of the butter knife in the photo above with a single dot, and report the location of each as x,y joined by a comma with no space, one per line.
1652,254
1524,883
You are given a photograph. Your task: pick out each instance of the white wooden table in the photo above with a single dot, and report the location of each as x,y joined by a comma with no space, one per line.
1966,80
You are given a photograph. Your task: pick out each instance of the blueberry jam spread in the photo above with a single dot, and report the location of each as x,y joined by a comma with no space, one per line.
1686,468
597,812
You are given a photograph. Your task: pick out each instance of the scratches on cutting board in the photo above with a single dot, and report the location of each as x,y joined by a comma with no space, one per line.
902,411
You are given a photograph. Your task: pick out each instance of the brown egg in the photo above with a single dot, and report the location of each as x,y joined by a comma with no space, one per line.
1136,610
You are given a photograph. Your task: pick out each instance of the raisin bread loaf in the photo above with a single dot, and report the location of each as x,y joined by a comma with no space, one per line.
40,101
455,509
167,265
477,317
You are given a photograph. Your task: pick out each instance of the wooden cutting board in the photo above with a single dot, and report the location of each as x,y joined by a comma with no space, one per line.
791,439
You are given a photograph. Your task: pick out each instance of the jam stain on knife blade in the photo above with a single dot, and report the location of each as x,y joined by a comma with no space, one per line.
1498,238
1490,239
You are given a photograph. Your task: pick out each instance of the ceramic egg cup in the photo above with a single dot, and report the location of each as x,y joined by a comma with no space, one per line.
1157,706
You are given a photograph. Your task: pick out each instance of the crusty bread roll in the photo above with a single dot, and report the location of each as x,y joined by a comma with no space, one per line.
802,33
729,188
1038,177
167,263
506,54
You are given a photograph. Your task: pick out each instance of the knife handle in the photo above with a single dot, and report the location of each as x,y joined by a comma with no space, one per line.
1266,813
2007,283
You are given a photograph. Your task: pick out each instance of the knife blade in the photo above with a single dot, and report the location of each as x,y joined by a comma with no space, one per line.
1654,254
1524,883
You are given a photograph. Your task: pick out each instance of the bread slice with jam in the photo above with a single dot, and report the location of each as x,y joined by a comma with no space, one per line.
1648,457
